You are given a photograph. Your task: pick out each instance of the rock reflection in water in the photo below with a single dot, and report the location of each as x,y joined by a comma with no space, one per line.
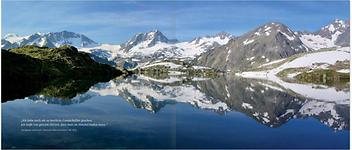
268,103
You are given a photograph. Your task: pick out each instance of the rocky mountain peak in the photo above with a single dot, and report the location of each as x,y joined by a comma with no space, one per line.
145,40
223,35
272,29
272,32
335,34
157,36
219,38
266,43
63,34
342,22
337,27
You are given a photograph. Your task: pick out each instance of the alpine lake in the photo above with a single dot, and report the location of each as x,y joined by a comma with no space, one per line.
141,111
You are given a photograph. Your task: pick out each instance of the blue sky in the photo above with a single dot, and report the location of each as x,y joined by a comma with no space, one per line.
116,21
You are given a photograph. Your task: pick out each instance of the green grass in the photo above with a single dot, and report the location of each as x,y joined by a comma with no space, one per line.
63,61
284,73
27,70
329,76
324,76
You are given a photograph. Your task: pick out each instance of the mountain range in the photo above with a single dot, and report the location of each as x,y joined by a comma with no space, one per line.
223,51
51,40
154,46
335,34
273,41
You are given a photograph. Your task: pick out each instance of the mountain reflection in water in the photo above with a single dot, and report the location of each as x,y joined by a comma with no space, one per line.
267,103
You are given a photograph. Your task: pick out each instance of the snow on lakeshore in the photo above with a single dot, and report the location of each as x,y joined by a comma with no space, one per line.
175,73
329,57
167,64
272,62
308,60
200,79
200,67
344,71
307,90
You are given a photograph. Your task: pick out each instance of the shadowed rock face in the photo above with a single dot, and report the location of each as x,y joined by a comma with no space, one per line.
7,45
344,38
269,42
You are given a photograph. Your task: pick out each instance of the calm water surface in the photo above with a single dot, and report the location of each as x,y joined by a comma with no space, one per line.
143,112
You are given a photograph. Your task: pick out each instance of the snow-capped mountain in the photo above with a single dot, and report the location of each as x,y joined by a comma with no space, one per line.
144,40
222,51
269,42
154,45
220,39
51,39
334,34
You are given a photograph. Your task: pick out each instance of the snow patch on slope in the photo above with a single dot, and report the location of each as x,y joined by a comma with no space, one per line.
307,90
246,42
316,41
